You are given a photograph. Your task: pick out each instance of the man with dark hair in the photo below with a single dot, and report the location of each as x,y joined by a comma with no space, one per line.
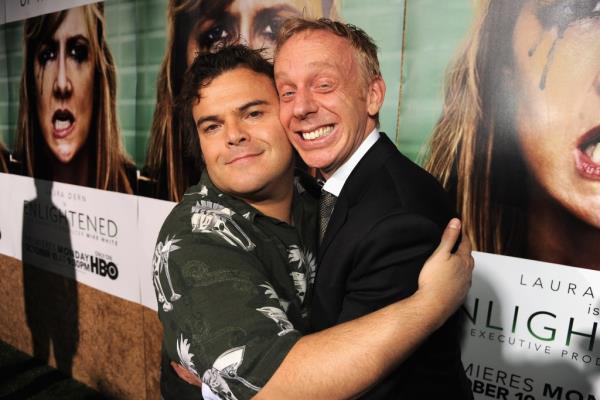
235,261
381,216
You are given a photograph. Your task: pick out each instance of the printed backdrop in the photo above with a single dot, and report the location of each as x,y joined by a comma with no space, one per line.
498,99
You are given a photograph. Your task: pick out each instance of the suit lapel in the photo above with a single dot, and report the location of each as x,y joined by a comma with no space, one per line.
355,187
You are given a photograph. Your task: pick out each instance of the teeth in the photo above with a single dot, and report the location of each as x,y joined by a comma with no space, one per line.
317,133
596,154
61,124
589,150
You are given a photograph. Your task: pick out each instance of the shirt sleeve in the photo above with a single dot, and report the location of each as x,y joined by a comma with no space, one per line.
222,318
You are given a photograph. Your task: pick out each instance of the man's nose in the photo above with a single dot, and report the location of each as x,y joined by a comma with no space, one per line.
236,134
62,87
304,103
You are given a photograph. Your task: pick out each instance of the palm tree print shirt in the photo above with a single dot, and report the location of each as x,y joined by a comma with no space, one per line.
232,287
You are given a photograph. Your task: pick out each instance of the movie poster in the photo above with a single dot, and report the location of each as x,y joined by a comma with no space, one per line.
80,233
125,130
507,120
66,122
497,99
531,330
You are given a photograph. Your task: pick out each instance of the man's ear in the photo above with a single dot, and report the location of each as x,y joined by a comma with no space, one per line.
375,96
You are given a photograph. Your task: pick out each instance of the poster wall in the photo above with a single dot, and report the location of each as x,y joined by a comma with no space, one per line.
505,119
531,330
144,54
497,99
80,233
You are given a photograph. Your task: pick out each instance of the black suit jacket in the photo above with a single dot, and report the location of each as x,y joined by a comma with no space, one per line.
386,222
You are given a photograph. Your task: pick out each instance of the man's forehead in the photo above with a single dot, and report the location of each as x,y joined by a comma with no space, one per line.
234,89
314,53
320,41
317,65
238,80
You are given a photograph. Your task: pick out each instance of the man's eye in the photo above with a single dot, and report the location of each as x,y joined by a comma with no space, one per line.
79,52
212,128
324,85
46,54
255,114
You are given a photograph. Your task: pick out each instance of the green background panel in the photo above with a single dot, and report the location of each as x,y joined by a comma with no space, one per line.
11,59
383,21
433,32
136,35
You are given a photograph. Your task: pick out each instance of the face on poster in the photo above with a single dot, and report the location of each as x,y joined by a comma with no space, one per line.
518,140
67,125
174,160
252,22
64,80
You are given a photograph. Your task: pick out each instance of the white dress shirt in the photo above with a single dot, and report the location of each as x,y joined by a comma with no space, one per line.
336,182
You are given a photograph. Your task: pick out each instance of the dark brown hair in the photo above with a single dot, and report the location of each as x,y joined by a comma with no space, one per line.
473,150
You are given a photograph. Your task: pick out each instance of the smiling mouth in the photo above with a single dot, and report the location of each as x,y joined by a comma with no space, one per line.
592,150
243,157
588,154
62,121
317,133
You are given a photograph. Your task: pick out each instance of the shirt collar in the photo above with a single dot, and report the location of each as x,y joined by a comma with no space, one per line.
336,182
206,190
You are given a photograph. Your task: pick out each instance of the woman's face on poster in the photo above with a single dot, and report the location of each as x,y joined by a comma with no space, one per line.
556,82
64,77
255,22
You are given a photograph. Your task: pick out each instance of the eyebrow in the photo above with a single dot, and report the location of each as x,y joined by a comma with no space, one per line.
258,102
206,118
241,109
70,41
314,64
267,13
78,38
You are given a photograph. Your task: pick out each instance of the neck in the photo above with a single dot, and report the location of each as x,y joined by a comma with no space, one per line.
556,236
277,202
327,173
75,172
280,208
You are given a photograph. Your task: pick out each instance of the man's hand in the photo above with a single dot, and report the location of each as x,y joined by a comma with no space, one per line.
446,277
186,375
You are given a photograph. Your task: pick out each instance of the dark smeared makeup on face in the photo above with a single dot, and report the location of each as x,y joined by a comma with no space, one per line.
78,48
560,15
224,29
221,32
269,21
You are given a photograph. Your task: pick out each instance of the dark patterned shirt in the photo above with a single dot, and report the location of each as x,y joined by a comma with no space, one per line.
232,287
